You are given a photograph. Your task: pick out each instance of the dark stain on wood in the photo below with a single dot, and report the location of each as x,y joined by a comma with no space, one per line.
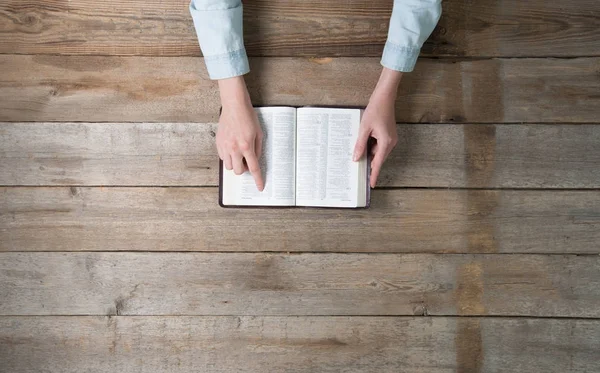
23,275
482,92
480,163
469,301
119,306
111,324
469,346
325,342
200,164
318,343
480,154
266,274
420,309
121,301
73,191
587,216
15,341
481,234
63,162
41,211
67,181
90,265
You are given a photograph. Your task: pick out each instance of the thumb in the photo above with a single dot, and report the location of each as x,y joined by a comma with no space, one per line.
361,143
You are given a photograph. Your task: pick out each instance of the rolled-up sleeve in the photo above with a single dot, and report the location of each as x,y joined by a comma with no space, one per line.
219,27
411,24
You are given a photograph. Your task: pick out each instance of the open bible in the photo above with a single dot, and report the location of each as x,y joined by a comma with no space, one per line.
306,161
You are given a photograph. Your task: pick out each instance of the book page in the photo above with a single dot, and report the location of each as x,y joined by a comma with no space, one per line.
277,164
326,176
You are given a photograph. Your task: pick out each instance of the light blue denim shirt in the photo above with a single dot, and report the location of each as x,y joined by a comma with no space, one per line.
220,33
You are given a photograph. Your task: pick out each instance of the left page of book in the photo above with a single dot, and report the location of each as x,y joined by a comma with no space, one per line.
277,163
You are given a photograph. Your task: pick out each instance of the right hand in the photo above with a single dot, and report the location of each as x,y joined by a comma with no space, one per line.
239,137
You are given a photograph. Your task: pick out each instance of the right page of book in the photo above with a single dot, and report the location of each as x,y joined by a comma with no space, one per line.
326,176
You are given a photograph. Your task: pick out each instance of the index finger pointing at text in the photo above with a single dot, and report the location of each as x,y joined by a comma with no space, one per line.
252,162
376,167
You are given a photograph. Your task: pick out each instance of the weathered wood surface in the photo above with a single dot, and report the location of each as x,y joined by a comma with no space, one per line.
189,219
300,28
183,154
145,89
298,284
108,154
151,292
299,344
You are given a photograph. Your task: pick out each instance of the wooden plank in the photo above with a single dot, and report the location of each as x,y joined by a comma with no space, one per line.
307,28
495,156
174,154
143,89
299,344
516,28
189,219
303,284
108,154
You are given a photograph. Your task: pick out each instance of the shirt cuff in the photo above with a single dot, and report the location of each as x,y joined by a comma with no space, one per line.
399,58
227,65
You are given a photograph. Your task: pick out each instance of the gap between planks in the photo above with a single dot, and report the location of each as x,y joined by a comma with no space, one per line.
449,316
149,186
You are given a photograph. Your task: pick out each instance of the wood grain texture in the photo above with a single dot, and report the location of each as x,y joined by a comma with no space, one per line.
189,219
300,28
97,89
183,154
144,89
298,344
302,284
108,154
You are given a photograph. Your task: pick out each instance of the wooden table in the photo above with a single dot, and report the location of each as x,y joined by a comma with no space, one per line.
480,252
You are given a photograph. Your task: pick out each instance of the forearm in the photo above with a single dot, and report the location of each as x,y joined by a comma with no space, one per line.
219,29
411,24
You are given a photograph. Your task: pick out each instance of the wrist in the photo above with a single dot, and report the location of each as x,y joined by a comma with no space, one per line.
383,96
233,92
387,86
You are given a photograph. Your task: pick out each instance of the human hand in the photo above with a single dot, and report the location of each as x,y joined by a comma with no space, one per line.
239,136
379,122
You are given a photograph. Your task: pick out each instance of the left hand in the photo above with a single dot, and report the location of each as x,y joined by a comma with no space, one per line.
379,122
